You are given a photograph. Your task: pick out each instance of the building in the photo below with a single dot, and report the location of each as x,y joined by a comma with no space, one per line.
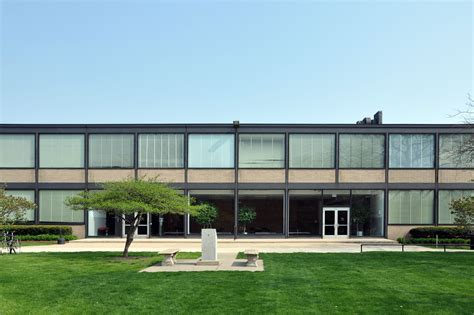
331,180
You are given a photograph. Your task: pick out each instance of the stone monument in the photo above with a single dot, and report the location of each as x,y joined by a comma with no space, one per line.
208,248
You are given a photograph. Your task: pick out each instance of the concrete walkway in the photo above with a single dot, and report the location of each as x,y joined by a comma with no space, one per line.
227,262
231,246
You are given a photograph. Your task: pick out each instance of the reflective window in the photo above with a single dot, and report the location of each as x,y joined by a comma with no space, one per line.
305,212
367,213
312,150
28,195
211,151
268,208
456,151
61,151
262,151
411,151
111,151
445,198
361,151
410,206
161,150
223,200
17,151
53,209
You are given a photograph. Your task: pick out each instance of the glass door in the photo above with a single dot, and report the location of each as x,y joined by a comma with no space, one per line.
143,229
336,222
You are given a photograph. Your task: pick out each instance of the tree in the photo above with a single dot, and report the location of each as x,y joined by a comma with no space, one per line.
13,209
463,210
206,215
465,150
246,216
132,199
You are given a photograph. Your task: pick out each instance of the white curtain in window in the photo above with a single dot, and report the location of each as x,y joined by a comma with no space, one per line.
361,151
312,150
411,151
211,151
452,153
410,206
262,151
61,151
28,195
161,150
445,198
17,151
53,209
111,151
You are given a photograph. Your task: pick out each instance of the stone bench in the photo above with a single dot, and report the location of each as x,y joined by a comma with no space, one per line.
170,256
252,257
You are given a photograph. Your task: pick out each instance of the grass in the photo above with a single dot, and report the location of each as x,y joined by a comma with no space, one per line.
368,283
37,243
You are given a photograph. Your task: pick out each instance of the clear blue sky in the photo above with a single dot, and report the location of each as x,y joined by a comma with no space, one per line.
159,62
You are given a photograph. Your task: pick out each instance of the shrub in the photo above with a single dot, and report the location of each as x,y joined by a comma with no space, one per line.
46,237
433,241
206,216
442,232
37,229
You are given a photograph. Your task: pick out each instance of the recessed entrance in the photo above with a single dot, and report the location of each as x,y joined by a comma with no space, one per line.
143,229
335,222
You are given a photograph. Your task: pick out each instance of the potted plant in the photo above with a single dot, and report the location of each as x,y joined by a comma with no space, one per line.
246,216
206,215
61,239
360,215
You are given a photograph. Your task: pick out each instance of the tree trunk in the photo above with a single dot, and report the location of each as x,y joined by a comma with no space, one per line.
131,234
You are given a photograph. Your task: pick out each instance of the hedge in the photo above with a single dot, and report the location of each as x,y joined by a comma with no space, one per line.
433,241
442,232
45,237
37,229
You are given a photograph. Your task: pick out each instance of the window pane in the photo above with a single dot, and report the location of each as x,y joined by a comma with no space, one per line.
445,199
17,151
312,151
108,151
61,151
53,209
28,195
410,206
211,150
456,151
262,151
161,150
361,151
367,213
411,151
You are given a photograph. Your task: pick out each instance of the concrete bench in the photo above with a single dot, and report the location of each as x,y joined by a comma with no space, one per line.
170,256
252,257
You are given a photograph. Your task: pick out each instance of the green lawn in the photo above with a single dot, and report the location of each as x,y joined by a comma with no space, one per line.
376,283
37,243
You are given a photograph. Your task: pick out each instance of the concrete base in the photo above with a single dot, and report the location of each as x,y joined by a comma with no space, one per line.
203,262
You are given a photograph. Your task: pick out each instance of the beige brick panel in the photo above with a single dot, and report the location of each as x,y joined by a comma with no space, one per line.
169,176
62,176
362,176
456,176
396,231
79,230
411,176
312,176
261,176
17,176
102,176
210,176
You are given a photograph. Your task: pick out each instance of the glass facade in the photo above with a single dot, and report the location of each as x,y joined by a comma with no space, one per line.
456,151
411,151
223,200
312,150
17,151
410,206
53,209
28,195
268,206
211,151
361,151
305,212
261,151
111,151
61,151
445,198
367,213
161,150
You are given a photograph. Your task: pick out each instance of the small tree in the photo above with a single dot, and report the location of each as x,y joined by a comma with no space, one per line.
463,210
13,209
360,215
131,199
246,216
206,215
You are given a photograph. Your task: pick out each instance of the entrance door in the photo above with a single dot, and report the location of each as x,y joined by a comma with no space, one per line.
143,229
336,222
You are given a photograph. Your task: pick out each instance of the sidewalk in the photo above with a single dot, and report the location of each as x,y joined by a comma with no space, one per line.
231,246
